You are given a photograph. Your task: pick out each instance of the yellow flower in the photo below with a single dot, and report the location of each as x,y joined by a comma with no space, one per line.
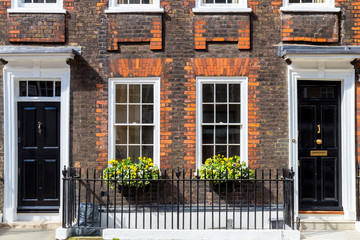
146,167
151,164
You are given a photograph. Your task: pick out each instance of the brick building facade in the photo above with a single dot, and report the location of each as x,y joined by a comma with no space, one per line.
177,44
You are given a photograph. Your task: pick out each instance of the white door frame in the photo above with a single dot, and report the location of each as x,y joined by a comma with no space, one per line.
327,68
40,67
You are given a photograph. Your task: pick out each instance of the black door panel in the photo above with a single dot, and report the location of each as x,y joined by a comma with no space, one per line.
319,130
39,156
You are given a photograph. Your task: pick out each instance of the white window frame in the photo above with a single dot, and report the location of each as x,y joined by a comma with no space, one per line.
201,7
18,7
327,6
243,113
112,113
114,7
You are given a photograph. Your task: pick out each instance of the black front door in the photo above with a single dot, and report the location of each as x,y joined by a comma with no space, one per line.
319,145
38,156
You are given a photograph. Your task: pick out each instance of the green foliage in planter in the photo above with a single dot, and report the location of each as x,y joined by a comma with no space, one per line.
123,170
220,167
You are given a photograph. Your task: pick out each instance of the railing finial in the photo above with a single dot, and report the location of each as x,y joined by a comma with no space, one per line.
64,171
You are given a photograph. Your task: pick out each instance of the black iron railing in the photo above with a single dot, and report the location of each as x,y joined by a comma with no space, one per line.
178,200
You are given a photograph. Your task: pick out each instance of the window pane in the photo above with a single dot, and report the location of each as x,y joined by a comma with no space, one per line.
221,113
207,152
134,153
234,151
234,113
121,114
147,114
147,151
294,1
234,134
221,149
134,93
221,134
38,1
57,89
208,113
121,135
121,93
221,93
147,94
208,134
208,93
147,135
134,114
40,88
134,135
50,1
120,152
234,92
22,90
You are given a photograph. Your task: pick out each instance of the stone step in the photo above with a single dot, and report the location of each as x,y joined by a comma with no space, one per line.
32,225
326,224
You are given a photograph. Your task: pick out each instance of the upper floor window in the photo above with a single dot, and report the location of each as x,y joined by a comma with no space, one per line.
46,6
310,5
221,6
134,6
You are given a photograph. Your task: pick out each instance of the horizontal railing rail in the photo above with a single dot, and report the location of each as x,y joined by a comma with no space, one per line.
178,199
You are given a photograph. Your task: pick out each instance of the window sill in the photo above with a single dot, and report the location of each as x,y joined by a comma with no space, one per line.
36,10
309,9
137,10
221,10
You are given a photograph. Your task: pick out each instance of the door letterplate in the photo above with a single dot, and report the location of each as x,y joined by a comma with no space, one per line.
319,153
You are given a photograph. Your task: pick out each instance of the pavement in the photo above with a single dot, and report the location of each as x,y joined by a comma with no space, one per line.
49,234
26,234
330,235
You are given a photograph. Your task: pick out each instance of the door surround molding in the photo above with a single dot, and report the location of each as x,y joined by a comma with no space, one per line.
326,68
31,63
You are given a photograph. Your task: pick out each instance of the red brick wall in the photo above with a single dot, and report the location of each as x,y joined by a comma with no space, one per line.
38,28
220,28
135,28
310,27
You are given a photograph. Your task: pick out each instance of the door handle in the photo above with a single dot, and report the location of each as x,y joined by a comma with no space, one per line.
318,129
39,127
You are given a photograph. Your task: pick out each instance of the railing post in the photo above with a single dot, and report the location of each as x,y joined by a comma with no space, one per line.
292,174
65,196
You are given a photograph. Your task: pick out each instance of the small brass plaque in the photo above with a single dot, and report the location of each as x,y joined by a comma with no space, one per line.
318,153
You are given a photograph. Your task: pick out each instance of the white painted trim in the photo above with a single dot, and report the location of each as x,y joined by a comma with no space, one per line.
311,8
208,234
320,70
201,7
244,113
133,8
62,233
18,7
328,6
36,10
221,10
31,68
111,119
357,226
